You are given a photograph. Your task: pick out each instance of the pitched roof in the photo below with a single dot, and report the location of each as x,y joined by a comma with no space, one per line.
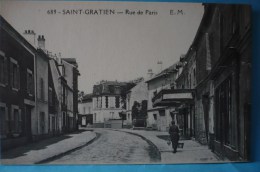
166,71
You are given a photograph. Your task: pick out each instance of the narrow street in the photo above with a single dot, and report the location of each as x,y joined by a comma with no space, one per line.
111,147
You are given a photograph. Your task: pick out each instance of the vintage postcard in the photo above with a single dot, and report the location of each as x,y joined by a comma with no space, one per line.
124,82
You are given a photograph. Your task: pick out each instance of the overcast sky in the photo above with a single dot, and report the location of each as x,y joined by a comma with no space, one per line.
110,47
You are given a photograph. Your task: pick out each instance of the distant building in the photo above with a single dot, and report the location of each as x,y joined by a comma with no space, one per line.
85,110
160,117
108,102
72,82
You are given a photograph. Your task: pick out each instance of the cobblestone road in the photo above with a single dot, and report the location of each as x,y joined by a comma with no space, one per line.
111,147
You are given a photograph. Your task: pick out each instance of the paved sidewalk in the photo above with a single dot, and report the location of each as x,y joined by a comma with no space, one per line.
192,152
42,150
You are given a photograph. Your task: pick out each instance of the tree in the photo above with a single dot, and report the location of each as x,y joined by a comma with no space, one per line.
143,111
124,90
80,95
136,110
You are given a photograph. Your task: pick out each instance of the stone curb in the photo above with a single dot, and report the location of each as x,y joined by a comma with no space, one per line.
68,151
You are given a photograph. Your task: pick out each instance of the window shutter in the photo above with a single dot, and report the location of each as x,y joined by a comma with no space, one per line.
12,120
11,74
20,120
18,77
27,82
6,114
5,71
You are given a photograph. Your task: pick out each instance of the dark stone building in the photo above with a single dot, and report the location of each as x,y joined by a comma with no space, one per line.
17,93
217,69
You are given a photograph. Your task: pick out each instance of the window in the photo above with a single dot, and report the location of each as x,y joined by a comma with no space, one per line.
190,81
111,89
3,70
3,120
155,116
194,77
106,101
223,112
41,89
117,101
30,87
63,94
64,119
84,110
162,112
50,97
42,122
14,74
117,89
100,106
95,117
97,103
16,120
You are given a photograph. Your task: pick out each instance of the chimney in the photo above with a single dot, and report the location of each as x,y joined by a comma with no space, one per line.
150,73
41,42
29,35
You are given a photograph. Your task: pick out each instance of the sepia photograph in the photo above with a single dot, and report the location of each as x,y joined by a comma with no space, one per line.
124,82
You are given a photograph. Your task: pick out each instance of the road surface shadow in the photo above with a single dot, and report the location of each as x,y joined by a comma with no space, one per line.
38,145
22,150
69,151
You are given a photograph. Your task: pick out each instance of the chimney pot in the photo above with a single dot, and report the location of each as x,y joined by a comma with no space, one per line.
29,35
41,42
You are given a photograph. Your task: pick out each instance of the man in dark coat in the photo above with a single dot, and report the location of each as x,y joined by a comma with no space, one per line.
174,135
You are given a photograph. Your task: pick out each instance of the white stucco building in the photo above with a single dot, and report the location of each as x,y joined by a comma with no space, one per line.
107,102
160,117
85,109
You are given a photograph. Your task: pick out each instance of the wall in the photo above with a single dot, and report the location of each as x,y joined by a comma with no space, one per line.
41,101
88,107
156,85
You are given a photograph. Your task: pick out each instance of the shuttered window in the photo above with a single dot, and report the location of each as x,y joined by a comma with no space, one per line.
30,82
3,70
16,120
14,74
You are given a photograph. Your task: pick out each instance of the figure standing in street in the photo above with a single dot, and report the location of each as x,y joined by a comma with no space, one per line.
174,135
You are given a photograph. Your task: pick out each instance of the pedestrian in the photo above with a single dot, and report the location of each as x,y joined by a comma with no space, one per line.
174,135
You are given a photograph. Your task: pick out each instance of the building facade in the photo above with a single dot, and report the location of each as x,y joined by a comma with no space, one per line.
160,117
108,102
219,59
17,87
37,99
85,109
